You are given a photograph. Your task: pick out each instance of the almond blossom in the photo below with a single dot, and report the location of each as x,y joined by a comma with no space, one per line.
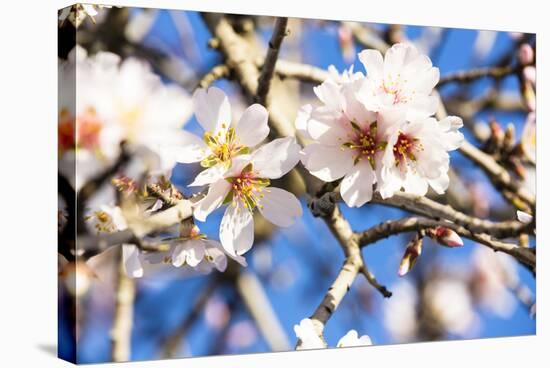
349,141
419,157
245,187
402,78
115,101
223,139
310,339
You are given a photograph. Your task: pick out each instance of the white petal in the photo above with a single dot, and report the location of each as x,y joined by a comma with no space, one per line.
190,252
212,108
329,93
237,230
215,251
356,187
352,339
131,261
276,158
373,62
190,149
302,118
415,184
327,163
252,128
280,207
209,176
524,217
440,184
308,336
213,199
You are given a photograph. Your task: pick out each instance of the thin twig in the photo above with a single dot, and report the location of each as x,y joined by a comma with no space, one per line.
366,37
475,74
264,81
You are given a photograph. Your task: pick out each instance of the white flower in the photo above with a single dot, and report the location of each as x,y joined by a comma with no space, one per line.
115,101
418,155
245,187
403,78
306,333
352,339
310,339
349,140
110,219
224,139
202,254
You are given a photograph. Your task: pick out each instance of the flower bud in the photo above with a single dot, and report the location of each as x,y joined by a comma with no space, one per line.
412,252
446,237
530,75
526,54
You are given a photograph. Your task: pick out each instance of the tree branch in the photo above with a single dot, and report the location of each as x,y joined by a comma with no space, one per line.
496,72
264,81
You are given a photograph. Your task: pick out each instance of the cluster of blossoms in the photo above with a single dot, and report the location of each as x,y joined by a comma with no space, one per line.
378,129
310,339
238,169
115,101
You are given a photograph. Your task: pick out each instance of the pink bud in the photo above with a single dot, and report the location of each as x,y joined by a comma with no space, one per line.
526,54
412,252
345,37
446,237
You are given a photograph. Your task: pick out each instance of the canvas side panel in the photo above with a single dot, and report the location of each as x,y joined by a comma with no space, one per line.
67,267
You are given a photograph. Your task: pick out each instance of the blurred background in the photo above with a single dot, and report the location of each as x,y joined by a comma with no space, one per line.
462,293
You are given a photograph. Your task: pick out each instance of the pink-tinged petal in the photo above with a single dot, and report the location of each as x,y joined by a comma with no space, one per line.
276,158
280,207
326,162
213,199
209,176
237,229
252,128
302,118
356,187
131,261
373,62
329,93
190,148
212,108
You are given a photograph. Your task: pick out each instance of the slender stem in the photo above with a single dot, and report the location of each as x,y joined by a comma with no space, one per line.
268,69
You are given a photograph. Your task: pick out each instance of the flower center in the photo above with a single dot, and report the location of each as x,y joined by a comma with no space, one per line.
405,148
393,86
223,147
365,143
246,188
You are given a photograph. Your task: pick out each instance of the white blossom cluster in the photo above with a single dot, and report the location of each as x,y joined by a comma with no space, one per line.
377,131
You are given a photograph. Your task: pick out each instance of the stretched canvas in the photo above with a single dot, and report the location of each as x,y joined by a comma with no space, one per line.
234,184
